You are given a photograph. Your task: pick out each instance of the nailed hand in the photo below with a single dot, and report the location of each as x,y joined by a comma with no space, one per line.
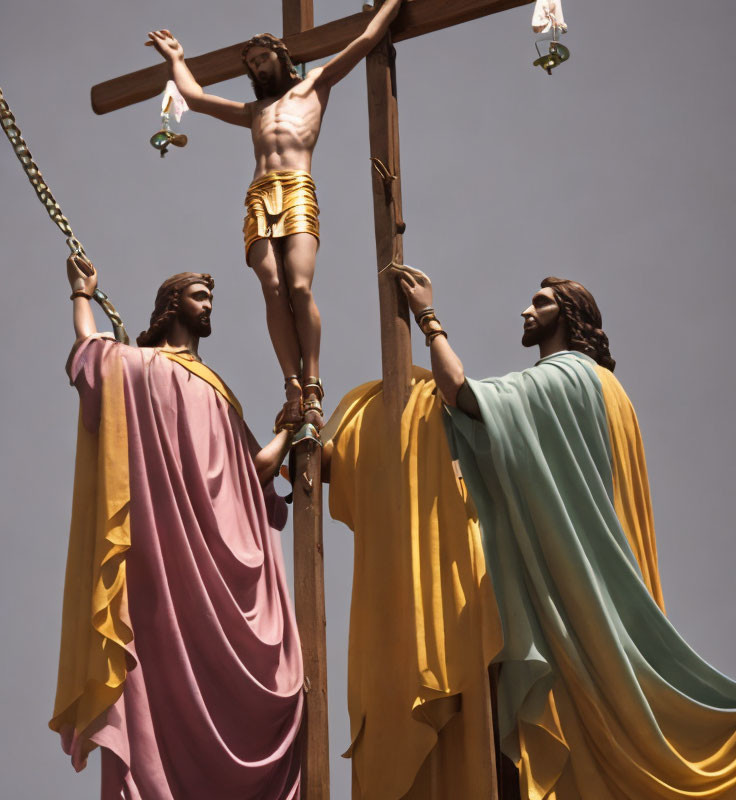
165,43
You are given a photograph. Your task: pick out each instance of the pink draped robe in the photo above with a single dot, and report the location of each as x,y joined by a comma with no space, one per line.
211,709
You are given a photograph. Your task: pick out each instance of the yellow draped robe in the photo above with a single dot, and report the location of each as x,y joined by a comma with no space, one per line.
424,624
96,629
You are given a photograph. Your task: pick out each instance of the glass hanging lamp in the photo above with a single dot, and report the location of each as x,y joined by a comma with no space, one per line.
549,21
172,102
550,49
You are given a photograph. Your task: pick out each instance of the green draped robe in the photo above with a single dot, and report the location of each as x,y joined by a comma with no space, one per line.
599,698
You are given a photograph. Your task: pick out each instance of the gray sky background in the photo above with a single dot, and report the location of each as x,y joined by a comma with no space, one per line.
617,171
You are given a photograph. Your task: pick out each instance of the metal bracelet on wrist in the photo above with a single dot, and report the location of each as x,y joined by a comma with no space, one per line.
425,322
425,312
432,335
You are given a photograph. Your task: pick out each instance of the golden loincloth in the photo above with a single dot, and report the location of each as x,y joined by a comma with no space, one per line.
280,204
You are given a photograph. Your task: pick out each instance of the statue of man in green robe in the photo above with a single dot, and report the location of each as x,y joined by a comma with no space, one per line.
598,695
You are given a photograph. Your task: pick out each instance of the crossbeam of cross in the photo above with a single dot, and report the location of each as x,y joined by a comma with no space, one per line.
415,18
307,43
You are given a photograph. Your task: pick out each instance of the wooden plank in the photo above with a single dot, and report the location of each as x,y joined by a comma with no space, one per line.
383,121
309,597
298,16
415,18
309,572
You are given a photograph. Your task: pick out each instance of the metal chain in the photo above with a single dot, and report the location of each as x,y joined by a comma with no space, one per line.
12,131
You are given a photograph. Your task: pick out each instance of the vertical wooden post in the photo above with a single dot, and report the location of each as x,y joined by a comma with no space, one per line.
309,592
298,16
396,356
309,575
383,121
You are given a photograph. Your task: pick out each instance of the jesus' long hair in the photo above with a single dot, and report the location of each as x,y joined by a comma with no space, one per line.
583,317
271,42
167,305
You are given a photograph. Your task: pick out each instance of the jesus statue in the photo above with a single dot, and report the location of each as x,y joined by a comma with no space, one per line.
281,226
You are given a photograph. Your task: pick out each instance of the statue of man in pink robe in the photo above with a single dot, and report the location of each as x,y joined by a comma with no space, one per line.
180,655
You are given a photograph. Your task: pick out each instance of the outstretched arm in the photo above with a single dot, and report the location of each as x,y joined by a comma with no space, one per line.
82,278
447,368
173,53
338,67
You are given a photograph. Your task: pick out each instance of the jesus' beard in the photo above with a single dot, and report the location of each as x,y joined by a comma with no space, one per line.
275,86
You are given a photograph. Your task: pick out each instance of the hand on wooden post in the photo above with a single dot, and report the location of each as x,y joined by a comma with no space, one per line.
165,43
416,286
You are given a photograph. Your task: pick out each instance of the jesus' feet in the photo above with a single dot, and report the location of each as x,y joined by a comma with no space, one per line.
312,405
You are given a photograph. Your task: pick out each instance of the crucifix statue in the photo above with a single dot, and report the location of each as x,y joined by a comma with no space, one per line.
281,225
306,43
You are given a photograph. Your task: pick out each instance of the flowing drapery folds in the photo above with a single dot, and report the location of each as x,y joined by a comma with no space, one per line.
280,204
598,697
423,623
179,655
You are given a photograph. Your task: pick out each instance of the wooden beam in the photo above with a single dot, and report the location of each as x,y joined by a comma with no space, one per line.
298,16
309,566
415,18
383,122
309,602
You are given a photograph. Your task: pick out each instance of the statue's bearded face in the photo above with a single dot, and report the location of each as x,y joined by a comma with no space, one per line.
266,69
195,308
541,318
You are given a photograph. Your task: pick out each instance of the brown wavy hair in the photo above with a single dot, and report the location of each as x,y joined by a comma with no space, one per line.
583,318
167,305
271,42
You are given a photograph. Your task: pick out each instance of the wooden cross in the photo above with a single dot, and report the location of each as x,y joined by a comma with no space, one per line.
307,43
